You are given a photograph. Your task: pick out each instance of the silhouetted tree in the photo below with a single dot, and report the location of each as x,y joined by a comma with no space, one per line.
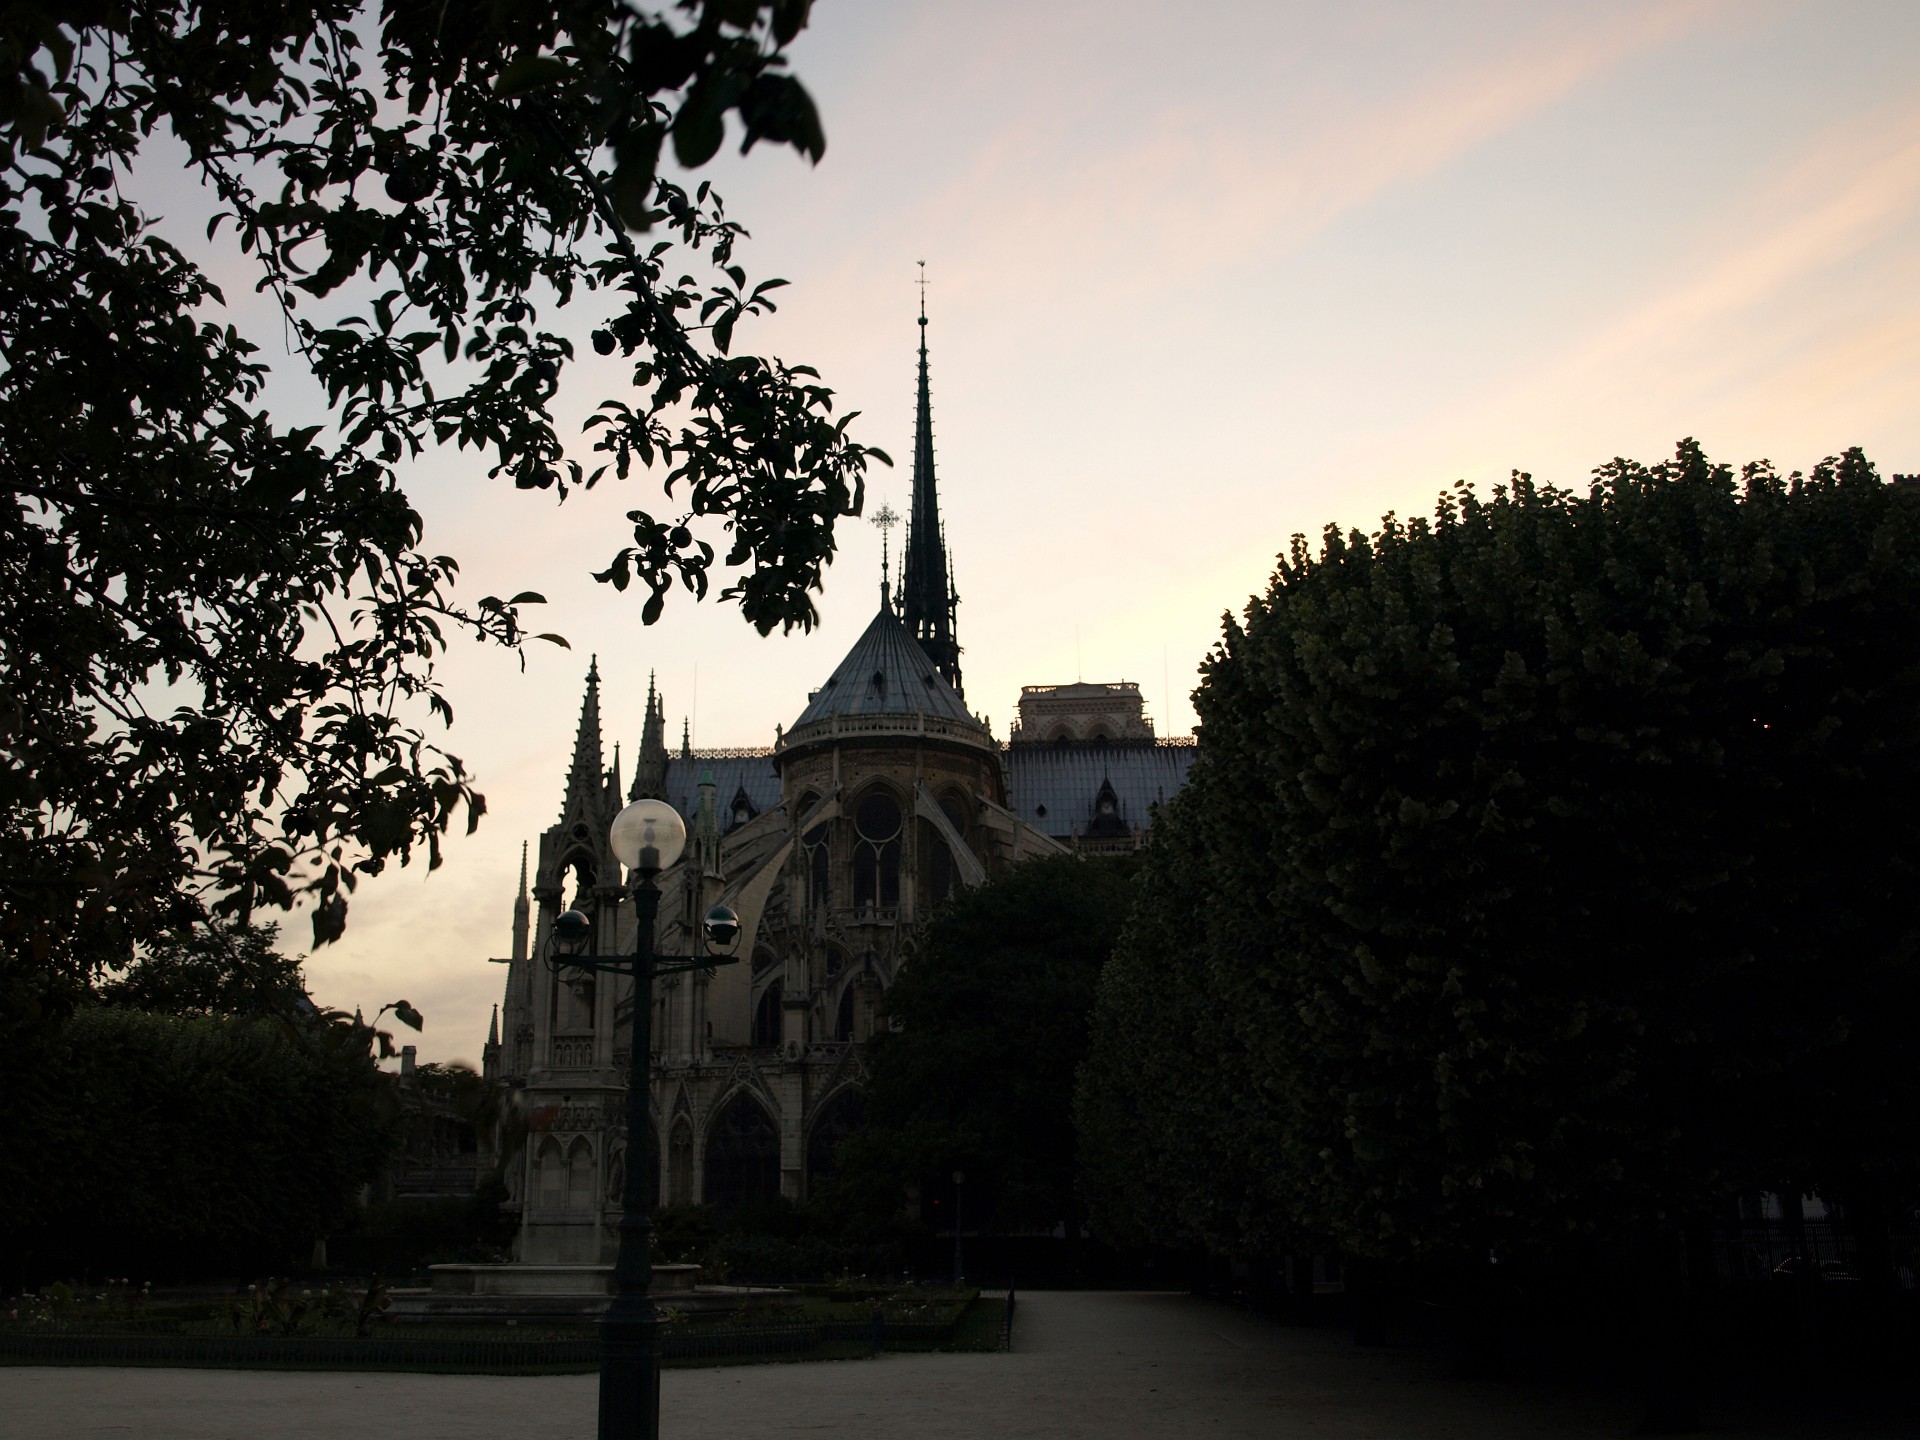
163,1146
210,969
1545,873
991,1019
217,626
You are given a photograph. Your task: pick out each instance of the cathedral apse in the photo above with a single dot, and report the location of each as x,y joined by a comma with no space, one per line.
883,795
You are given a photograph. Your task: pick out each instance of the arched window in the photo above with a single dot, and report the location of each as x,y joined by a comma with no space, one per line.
571,996
819,857
939,869
958,811
680,1164
743,1154
939,875
838,1118
876,851
766,1017
580,1174
843,1021
581,867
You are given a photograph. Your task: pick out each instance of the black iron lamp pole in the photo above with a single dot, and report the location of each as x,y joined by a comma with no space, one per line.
648,836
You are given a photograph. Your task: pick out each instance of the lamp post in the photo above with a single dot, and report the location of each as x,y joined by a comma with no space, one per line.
959,1271
647,837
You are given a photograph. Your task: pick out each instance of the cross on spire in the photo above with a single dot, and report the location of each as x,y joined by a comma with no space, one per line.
884,520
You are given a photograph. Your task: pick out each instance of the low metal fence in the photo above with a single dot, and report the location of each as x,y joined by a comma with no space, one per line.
301,1352
91,1345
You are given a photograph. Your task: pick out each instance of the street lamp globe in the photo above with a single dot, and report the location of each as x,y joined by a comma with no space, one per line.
648,836
571,931
723,928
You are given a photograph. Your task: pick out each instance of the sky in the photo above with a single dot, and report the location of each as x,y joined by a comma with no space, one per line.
1199,280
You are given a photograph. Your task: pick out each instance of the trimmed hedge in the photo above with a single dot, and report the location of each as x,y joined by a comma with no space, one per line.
156,1147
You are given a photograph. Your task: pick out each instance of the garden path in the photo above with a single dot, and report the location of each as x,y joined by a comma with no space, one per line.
1085,1366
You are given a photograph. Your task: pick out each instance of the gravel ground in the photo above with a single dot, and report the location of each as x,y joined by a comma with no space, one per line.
1103,1366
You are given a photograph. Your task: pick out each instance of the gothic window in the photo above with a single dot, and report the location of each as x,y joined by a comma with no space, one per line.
939,873
766,1017
581,867
939,870
742,809
954,806
818,862
839,1118
876,851
743,1155
580,1175
843,1021
680,1164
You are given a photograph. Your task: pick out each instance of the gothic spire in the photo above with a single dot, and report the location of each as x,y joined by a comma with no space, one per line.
585,777
522,915
650,770
927,602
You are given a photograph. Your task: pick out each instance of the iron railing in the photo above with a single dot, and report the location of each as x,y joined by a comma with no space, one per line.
86,1344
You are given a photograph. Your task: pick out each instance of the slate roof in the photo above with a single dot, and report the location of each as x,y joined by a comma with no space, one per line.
885,673
1053,787
732,773
1064,779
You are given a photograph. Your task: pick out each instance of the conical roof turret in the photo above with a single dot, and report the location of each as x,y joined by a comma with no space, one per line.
886,674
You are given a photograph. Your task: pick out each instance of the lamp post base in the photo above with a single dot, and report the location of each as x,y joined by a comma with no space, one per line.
630,1370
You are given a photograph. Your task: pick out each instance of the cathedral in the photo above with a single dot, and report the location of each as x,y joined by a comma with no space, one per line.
883,796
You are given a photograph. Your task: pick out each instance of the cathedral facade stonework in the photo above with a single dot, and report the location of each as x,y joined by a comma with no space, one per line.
834,844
